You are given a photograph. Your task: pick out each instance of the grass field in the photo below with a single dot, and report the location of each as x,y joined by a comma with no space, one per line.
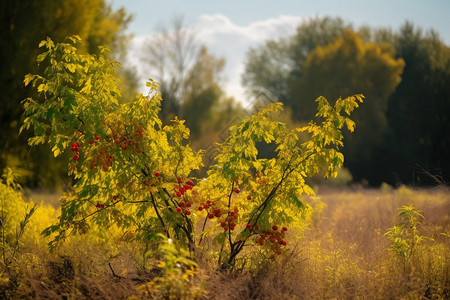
342,254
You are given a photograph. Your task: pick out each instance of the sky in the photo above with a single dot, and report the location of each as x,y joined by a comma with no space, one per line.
230,28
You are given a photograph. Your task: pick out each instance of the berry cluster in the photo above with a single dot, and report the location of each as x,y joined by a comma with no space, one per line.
228,223
182,186
211,208
125,143
75,148
96,138
184,207
274,236
180,190
104,159
100,205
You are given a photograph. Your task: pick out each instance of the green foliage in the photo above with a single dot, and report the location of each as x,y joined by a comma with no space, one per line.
24,24
135,173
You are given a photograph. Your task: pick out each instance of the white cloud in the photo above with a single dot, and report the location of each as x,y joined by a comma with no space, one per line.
227,40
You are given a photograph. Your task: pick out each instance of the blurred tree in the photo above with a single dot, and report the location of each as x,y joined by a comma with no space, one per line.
402,130
342,68
202,92
23,24
170,54
190,82
268,70
270,67
419,109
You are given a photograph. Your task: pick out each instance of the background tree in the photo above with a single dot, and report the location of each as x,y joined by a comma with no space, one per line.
170,54
190,82
419,110
400,127
23,24
270,68
341,68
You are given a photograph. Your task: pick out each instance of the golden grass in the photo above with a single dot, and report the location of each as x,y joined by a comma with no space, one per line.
343,255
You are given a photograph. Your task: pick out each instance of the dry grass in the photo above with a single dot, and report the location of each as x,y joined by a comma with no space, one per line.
343,255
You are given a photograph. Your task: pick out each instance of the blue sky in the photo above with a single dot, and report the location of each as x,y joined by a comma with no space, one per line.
229,28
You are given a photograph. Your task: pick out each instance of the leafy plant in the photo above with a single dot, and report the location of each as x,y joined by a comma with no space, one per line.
12,224
405,236
178,272
131,171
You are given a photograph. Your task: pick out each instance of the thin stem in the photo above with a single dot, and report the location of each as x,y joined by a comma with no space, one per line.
159,216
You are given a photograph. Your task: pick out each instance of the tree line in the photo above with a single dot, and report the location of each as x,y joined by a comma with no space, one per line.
402,129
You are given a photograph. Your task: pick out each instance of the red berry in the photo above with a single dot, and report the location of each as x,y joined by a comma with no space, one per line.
232,213
179,179
284,229
90,142
178,209
76,156
102,206
213,203
125,138
237,191
182,204
232,225
187,212
97,137
138,150
256,227
157,174
211,216
78,144
249,197
188,205
74,145
208,202
190,183
200,208
77,149
225,228
275,227
178,194
249,226
206,206
223,223
98,205
182,191
218,214
117,141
